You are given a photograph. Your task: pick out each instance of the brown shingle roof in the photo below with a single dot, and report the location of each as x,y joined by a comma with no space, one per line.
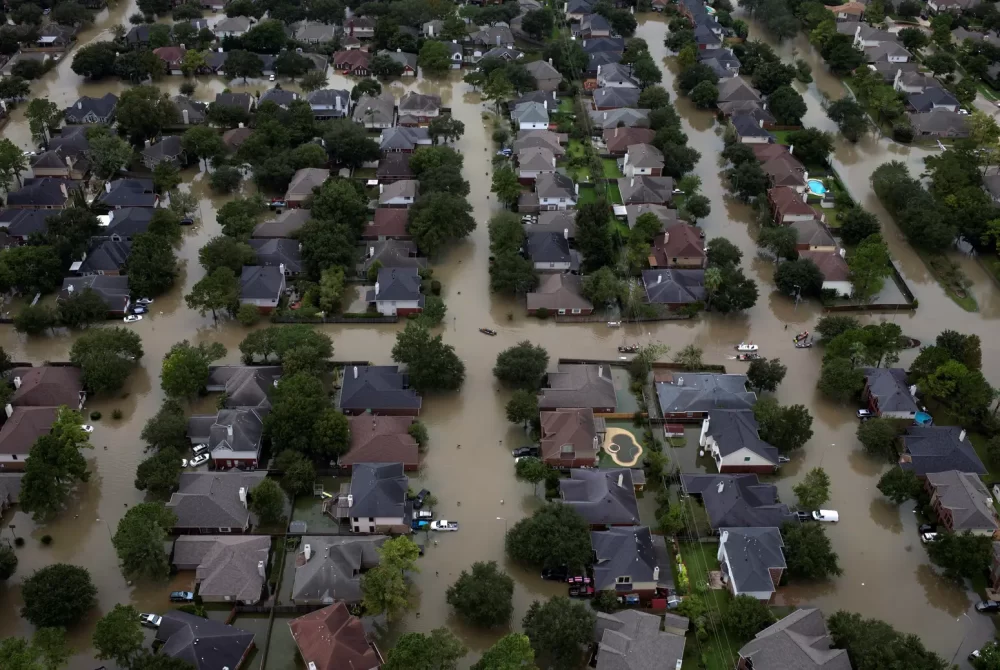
47,386
680,240
24,426
788,202
573,427
381,439
618,139
351,59
389,221
830,263
559,291
333,639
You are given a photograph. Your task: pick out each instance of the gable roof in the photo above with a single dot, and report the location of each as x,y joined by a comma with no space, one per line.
940,121
619,73
889,386
105,256
752,553
377,387
25,222
394,165
644,189
388,222
632,640
404,188
831,264
598,44
800,641
113,289
536,159
24,427
930,98
375,109
929,449
671,286
244,385
229,566
419,103
206,644
576,428
555,185
381,439
333,639
542,70
234,24
129,193
333,570
644,156
701,392
391,254
530,112
620,139
279,96
602,497
46,386
680,240
788,202
967,498
279,251
625,551
102,107
379,490
286,225
737,88
627,116
737,429
235,137
241,100
548,248
578,385
557,291
402,138
260,282
539,138
305,180
738,501
42,192
212,499
615,97
813,233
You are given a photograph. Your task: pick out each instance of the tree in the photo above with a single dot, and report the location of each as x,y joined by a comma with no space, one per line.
432,364
267,501
349,144
531,470
555,535
506,186
878,437
185,368
225,179
312,81
440,650
143,111
808,553
300,475
94,61
849,116
484,596
29,269
780,241
787,106
434,58
839,380
511,652
736,292
58,595
370,87
963,556
219,290
696,74
331,289
240,63
8,562
799,277
647,72
522,366
831,326
139,540
384,587
292,64
558,630
82,308
869,265
966,349
106,356
12,162
747,616
704,95
814,490
118,636
522,407
238,217
152,265
538,23
856,224
602,287
167,428
765,375
225,251
594,236
691,357
302,420
160,473
109,154
47,650
787,428
14,88
43,117
723,253
447,127
872,644
812,146
166,177
899,485
913,39
202,142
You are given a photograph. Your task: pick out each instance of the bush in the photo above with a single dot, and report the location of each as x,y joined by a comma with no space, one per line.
436,287
902,132
116,415
542,313
95,416
194,609
248,315
46,540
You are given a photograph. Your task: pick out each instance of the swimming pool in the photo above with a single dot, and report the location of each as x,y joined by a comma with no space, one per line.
816,187
710,10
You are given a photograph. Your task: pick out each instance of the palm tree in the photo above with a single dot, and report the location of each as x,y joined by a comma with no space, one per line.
713,281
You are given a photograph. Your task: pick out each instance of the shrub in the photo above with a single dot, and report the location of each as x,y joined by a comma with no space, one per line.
542,313
95,416
436,287
116,415
195,609
248,315
46,540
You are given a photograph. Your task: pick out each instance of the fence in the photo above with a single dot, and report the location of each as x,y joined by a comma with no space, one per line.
336,319
598,318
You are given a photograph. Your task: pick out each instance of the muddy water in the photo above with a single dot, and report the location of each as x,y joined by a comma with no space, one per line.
468,467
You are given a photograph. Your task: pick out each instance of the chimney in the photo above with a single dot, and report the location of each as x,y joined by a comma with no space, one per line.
243,496
721,486
69,162
381,187
621,479
656,573
605,116
355,371
62,189
107,187
350,500
281,268
805,196
576,189
760,124
625,160
545,104
725,533
229,431
79,105
399,51
376,288
307,552
659,278
10,410
913,391
843,253
553,162
632,183
598,70
961,436
600,370
186,115
371,252
565,233
791,150
263,573
241,124
680,381
149,143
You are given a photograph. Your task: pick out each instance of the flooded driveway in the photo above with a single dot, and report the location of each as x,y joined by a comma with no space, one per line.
468,466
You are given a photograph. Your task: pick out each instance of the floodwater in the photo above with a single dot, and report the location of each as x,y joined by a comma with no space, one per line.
468,466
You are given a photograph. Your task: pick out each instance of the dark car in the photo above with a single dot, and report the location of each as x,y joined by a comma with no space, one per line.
926,528
418,500
559,574
181,597
988,606
526,451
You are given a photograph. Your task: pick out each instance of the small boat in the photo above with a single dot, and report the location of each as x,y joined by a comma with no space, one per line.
748,357
747,346
803,344
614,324
488,331
804,335
628,348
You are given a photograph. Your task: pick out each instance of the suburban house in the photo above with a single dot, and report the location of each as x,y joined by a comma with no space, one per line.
329,103
667,216
103,257
281,253
92,110
418,108
674,288
600,44
113,290
752,561
376,502
303,185
125,223
390,254
42,193
171,58
235,26
940,123
314,32
10,489
530,116
813,235
167,150
191,111
618,140
546,76
594,62
736,89
632,640
556,191
642,159
691,396
334,639
851,11
262,286
361,27
233,436
575,10
833,267
209,503
630,561
287,224
279,96
228,568
405,139
962,502
378,389
578,385
328,568
646,190
749,129
788,205
602,497
678,246
619,118
46,386
204,644
381,439
723,62
571,438
352,62
930,449
375,112
914,82
593,25
393,167
20,224
541,139
737,501
397,292
887,394
800,641
556,221
23,427
615,97
732,438
68,155
127,193
243,101
784,170
550,252
534,161
616,75
400,193
931,99
559,293
244,385
235,137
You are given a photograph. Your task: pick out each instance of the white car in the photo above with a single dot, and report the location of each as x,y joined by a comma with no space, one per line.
198,460
446,526
87,428
828,515
150,620
271,78
864,414
927,538
184,462
144,301
139,309
132,318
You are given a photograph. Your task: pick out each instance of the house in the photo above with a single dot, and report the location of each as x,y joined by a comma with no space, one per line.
105,257
571,438
813,235
22,429
247,386
204,644
575,10
314,32
280,253
749,129
556,191
692,396
209,503
394,166
732,438
559,294
228,568
304,184
643,160
667,216
833,267
432,28
138,35
887,395
550,252
592,25
167,150
554,222
63,161
389,223
737,501
10,489
243,101
352,62
630,561
171,57
113,290
233,436
960,34
579,386
377,500
287,224
46,386
540,139
940,123
329,568
913,82
800,641
377,389
407,60
361,27
456,54
235,26
619,118
786,170
706,38
679,246
279,96
546,76
20,224
618,140
674,287
616,75
602,497
404,139
42,193
390,254
646,190
890,70
615,98
334,639
752,561
851,11
930,449
262,286
419,107
788,205
632,640
128,193
531,116
397,292
931,99
381,439
962,502
599,44
737,89
491,36
125,223
400,193
723,62
329,103
534,161
190,111
235,137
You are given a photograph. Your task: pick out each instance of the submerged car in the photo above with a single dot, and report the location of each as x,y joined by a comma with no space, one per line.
87,428
864,414
526,451
444,526
828,515
559,574
181,597
150,620
988,606
927,538
132,318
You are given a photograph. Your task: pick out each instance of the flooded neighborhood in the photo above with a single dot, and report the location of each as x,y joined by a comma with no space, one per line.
885,570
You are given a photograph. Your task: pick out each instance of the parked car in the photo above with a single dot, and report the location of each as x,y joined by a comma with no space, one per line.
926,528
424,514
581,592
198,460
132,318
418,500
927,538
419,525
526,451
988,606
784,459
864,414
559,574
139,309
144,301
829,515
150,620
87,428
181,597
444,526
803,516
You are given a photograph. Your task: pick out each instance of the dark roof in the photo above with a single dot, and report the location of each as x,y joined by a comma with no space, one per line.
800,641
931,98
889,386
128,193
334,567
752,553
747,126
244,385
625,551
377,387
279,96
128,221
381,439
101,107
260,282
701,392
966,498
388,222
402,138
391,254
602,497
286,225
645,189
226,566
278,251
204,643
105,256
113,289
604,44
241,100
928,449
396,165
632,640
46,386
548,247
397,284
670,286
168,148
212,499
25,222
738,501
378,490
736,429
578,385
615,97
23,427
42,192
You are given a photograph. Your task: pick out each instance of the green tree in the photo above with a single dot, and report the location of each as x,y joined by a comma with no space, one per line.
244,64
152,265
831,326
118,636
522,366
511,652
899,485
106,357
312,81
267,502
301,419
506,186
8,562
202,142
139,540
58,595
224,251
185,368
434,58
43,117
300,475
722,253
497,88
94,61
440,650
839,380
143,111
787,106
483,596
814,490
531,470
856,225
47,650
781,241
349,144
747,616
522,407
765,375
31,269
602,287
217,291
555,535
559,629
808,553
445,127
704,95
331,289
108,154
966,349
160,474
878,436
432,364
787,428
12,162
166,428
963,556
593,235
438,218
869,265
385,587
849,116
674,520
872,644
82,308
291,64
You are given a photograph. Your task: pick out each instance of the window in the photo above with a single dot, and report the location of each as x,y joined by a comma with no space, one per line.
577,311
746,459
225,530
371,519
357,529
623,580
562,311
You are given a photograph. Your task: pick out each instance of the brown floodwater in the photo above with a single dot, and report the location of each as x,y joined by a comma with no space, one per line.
468,466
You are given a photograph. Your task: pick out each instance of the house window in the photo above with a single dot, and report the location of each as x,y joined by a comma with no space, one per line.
623,580
746,459
371,519
225,530
562,311
577,311
357,529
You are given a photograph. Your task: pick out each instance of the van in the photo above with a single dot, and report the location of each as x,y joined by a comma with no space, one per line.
200,449
828,515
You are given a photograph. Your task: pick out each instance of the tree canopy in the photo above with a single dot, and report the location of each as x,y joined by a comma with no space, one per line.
558,630
139,540
58,595
555,535
522,366
431,364
483,596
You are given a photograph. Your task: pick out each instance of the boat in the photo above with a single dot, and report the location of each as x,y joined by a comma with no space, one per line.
748,357
803,344
628,348
614,324
804,335
747,346
488,331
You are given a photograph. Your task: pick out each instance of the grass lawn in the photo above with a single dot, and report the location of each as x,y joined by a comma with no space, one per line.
587,195
566,107
832,218
574,148
614,195
992,264
719,652
987,91
611,170
966,302
782,136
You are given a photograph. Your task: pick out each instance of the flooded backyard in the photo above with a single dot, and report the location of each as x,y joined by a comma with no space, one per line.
468,465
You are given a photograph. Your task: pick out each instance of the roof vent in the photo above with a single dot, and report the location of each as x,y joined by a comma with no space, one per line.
355,371
307,551
722,485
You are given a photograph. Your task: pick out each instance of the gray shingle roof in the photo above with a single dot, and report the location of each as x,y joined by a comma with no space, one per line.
397,284
204,643
129,193
693,392
113,289
752,552
377,387
244,385
967,498
379,490
419,104
813,233
738,429
800,641
643,189
404,188
391,254
548,248
260,282
378,109
672,286
236,433
737,88
625,551
602,497
333,571
102,107
279,96
634,642
42,192
930,449
541,69
578,385
598,44
106,256
227,565
889,386
530,112
403,138
738,501
25,222
305,180
630,118
554,185
615,97
169,148
277,251
931,98
212,499
286,225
